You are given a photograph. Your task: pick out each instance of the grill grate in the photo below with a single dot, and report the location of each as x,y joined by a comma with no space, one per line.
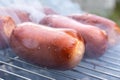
106,67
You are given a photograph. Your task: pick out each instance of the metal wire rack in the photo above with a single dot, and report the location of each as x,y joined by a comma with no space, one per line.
106,67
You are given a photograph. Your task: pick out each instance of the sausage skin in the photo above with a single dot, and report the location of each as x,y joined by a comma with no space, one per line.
6,27
95,38
47,47
19,16
111,28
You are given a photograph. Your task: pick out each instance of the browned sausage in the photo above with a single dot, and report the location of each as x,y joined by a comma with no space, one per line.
109,26
47,47
22,15
48,11
95,38
6,27
17,15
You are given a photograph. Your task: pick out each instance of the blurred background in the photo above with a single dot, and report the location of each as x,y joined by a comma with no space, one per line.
106,8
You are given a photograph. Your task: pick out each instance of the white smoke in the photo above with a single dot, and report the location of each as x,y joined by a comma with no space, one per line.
35,7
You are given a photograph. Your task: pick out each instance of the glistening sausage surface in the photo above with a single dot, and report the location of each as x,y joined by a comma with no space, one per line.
95,38
47,47
109,26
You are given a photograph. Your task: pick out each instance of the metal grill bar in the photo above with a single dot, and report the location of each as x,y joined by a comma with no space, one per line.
116,51
62,74
25,78
96,70
26,70
59,72
95,63
92,71
1,79
65,76
113,59
112,54
113,51
89,74
54,72
103,59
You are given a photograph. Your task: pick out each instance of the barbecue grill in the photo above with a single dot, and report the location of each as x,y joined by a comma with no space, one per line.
106,67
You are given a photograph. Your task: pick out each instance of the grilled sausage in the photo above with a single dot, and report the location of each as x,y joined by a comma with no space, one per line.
20,15
17,15
6,27
49,11
109,26
95,38
47,47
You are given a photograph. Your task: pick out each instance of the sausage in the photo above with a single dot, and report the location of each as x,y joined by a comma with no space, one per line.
49,11
6,27
94,20
109,26
17,15
47,47
95,38
22,15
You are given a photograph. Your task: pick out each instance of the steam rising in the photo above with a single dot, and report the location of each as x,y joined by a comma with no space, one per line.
35,8
114,37
35,11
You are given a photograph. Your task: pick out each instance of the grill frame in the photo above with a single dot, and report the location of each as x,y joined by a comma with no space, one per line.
89,69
